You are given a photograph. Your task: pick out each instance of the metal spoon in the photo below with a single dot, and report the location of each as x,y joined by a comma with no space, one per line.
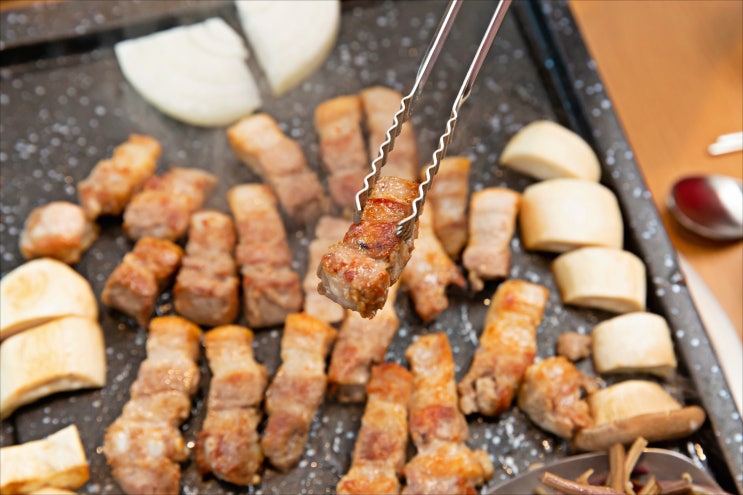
709,205
663,464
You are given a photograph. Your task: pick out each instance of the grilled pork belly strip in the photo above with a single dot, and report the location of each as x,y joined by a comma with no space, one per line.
507,347
328,230
207,287
297,389
113,181
492,222
362,342
447,200
259,143
380,105
59,230
551,396
379,452
144,445
357,272
271,289
444,463
145,271
342,147
228,445
163,208
430,271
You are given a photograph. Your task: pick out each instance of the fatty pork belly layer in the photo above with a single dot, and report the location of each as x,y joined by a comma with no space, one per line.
228,444
163,208
379,452
430,271
551,396
259,143
507,347
297,389
492,222
207,287
444,463
271,289
144,445
342,147
448,199
380,105
145,271
329,230
112,182
362,343
357,272
59,230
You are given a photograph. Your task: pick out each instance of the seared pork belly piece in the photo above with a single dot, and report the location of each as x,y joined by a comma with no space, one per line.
329,230
271,289
507,347
144,445
259,143
58,230
443,463
297,389
551,396
492,222
362,342
113,181
207,287
380,105
145,271
430,271
574,346
228,445
357,272
447,199
342,147
379,453
163,208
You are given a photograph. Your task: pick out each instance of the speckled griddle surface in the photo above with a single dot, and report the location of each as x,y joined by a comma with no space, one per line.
65,105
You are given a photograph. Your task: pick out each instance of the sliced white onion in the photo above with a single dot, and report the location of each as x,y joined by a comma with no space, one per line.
196,73
290,39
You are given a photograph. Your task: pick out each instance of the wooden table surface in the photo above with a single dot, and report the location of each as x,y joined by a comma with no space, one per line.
674,72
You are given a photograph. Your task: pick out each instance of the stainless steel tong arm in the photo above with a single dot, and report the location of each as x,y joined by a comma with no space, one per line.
406,226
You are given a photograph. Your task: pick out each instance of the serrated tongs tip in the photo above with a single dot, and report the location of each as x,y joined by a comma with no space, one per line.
406,226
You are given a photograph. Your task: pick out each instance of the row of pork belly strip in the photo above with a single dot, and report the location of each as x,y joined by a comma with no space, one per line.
64,230
345,155
381,443
362,343
280,162
328,230
271,288
207,288
144,445
508,345
443,462
228,444
297,389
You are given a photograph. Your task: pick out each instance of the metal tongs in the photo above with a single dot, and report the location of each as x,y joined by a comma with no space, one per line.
406,226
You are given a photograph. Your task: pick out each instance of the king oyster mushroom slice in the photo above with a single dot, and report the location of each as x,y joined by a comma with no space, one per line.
558,215
547,150
57,460
635,342
632,409
42,290
602,278
61,355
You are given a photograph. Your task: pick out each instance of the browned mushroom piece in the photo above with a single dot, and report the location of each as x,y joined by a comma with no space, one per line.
632,409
